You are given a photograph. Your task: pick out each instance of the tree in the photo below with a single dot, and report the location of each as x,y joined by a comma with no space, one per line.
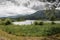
50,13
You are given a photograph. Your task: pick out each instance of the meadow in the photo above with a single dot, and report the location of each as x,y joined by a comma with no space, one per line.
31,30
36,31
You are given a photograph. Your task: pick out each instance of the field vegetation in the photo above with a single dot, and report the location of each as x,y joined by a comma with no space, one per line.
38,30
41,29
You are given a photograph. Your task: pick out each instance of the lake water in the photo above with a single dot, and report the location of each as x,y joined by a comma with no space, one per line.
27,22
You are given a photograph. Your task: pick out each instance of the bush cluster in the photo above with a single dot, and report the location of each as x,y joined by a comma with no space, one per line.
5,21
32,30
38,23
53,23
41,23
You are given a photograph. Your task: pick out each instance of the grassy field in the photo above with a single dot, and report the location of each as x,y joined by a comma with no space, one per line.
30,32
6,36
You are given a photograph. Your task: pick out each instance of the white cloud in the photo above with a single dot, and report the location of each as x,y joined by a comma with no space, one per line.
15,10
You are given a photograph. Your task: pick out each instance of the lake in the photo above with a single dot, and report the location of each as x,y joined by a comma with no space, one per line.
27,22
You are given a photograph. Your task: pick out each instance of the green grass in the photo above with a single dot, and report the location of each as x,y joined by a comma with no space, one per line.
31,30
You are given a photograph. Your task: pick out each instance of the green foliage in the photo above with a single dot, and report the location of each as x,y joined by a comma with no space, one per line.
31,30
50,13
53,22
1,22
50,31
7,21
54,30
52,18
41,23
20,19
36,23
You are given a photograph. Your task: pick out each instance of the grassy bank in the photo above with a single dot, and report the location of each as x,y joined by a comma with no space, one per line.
6,36
31,30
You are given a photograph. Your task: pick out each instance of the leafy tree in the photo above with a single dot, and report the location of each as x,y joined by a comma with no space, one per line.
50,13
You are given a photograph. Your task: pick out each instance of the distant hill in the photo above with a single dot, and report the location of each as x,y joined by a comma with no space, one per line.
36,15
41,15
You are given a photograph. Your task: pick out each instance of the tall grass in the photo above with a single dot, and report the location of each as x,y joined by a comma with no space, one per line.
31,30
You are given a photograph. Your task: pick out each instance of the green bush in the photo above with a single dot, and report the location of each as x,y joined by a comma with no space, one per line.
7,22
51,31
41,23
1,22
31,30
53,23
52,18
36,23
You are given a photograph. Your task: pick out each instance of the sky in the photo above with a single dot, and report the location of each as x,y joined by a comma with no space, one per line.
20,7
10,8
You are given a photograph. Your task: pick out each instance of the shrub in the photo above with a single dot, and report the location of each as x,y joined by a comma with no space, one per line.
1,22
36,23
52,31
7,22
41,23
32,30
53,23
52,18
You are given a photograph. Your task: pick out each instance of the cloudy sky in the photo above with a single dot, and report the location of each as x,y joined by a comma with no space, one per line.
20,7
